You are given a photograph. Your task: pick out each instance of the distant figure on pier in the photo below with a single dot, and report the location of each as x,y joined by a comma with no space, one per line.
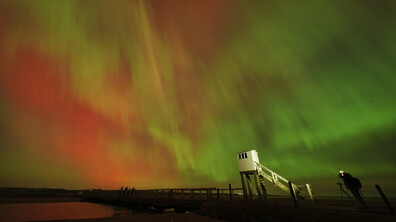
132,191
125,192
353,184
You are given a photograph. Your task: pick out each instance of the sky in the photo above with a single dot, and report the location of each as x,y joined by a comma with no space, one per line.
156,94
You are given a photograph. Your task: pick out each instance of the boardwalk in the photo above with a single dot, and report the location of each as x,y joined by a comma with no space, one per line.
229,204
181,200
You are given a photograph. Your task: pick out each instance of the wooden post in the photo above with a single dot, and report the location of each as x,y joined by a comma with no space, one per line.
249,185
218,194
258,187
229,187
243,179
170,193
293,194
262,185
310,192
384,197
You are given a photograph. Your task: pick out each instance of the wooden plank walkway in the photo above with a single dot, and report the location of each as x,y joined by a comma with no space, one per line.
181,199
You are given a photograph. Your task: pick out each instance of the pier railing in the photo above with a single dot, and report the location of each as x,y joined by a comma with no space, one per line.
191,194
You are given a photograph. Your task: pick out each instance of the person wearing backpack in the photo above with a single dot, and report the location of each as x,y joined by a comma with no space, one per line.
353,184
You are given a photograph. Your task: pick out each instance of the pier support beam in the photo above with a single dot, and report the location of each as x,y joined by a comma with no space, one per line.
293,194
247,186
258,187
243,180
249,182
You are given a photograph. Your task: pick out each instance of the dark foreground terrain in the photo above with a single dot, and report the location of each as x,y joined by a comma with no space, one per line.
250,211
273,209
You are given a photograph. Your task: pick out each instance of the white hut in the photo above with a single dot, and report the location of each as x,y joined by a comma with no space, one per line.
246,160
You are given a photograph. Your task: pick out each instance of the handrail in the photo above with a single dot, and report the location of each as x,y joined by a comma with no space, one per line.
274,178
272,172
178,194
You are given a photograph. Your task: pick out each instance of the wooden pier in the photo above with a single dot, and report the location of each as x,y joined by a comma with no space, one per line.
230,204
181,199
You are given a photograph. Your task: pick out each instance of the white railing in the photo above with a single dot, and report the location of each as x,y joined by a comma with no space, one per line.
276,179
283,183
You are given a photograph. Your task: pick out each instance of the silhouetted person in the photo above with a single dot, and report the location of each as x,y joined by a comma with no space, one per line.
125,191
353,184
133,191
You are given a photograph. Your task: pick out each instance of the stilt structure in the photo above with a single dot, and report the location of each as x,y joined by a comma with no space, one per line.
247,168
249,165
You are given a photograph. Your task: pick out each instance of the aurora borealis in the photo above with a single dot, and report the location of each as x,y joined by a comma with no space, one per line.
165,93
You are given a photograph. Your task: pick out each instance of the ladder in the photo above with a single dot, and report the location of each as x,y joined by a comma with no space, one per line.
278,181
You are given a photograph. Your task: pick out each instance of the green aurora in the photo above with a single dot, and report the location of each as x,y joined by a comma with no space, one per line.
310,85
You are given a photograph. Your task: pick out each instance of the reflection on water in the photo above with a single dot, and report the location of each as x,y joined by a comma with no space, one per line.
56,211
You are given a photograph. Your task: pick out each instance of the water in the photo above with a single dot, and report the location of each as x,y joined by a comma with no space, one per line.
56,211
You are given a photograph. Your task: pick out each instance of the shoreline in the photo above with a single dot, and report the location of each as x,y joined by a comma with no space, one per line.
273,210
193,217
25,200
